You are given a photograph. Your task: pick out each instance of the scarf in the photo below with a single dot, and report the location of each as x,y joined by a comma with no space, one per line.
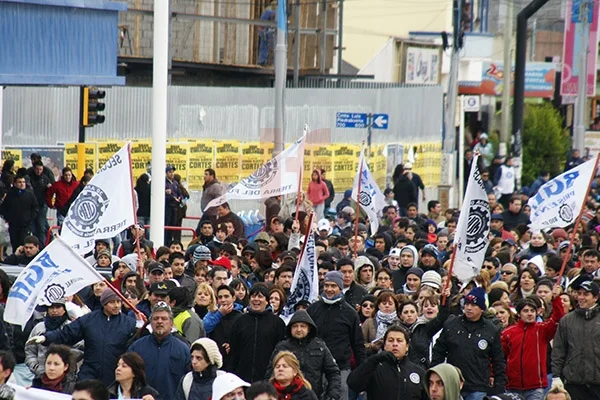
383,321
526,293
286,392
53,385
406,290
52,323
332,300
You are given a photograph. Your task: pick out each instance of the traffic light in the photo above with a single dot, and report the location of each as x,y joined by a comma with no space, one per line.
92,106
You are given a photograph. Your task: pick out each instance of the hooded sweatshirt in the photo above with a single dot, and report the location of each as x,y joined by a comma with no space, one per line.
538,261
399,276
451,378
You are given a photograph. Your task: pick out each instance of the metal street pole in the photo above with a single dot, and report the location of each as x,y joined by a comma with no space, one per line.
450,115
280,75
507,81
340,48
323,36
461,151
297,46
581,103
159,119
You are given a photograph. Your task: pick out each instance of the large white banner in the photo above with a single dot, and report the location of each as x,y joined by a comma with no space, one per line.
279,176
305,285
371,198
21,393
57,271
105,207
558,202
473,228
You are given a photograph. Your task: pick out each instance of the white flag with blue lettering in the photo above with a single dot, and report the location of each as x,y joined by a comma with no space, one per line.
558,202
305,285
471,236
371,198
105,207
57,271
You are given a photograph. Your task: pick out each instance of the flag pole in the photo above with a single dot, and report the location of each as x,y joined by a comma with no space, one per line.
124,300
577,222
360,168
135,220
449,277
304,133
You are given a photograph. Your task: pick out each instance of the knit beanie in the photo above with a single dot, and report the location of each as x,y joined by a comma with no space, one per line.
335,277
431,278
104,252
107,296
477,296
212,351
415,271
201,253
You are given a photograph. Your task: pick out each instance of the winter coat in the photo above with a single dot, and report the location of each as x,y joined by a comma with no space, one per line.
576,347
35,354
63,191
526,347
354,294
105,340
137,392
253,338
314,356
201,388
450,377
188,324
422,333
130,246
404,191
210,192
19,208
171,199
331,191
166,362
303,393
511,220
68,383
338,325
384,377
144,199
221,334
472,347
40,187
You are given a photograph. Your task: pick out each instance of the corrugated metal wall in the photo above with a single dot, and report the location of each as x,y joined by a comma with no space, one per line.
45,116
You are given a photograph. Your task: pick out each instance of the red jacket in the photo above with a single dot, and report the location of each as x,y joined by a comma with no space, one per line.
63,191
526,346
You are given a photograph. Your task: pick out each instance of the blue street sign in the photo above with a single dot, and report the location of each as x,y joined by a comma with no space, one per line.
350,120
380,121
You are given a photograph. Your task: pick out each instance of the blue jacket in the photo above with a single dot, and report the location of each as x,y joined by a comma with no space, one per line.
201,385
105,340
212,319
166,362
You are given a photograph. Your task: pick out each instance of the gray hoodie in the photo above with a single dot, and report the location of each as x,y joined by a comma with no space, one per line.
451,377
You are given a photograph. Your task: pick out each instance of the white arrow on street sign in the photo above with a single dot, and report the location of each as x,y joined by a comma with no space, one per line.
380,121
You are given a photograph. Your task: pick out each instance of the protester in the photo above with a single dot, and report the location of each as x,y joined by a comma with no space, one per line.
59,372
206,360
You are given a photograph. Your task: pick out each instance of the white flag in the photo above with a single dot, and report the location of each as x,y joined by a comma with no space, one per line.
371,198
105,207
56,272
473,228
21,393
558,202
305,285
277,177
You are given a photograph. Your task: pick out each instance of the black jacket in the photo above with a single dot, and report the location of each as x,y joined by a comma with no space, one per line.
338,325
303,394
404,191
385,378
421,334
314,356
40,186
472,347
137,391
354,294
511,221
19,208
68,383
143,195
253,338
222,334
20,259
331,190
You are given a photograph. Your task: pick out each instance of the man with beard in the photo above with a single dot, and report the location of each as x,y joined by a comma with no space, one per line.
166,357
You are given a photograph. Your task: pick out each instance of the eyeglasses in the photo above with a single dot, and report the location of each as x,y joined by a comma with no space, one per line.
383,278
507,273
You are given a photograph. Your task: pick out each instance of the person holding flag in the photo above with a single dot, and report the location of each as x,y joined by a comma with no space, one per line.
367,194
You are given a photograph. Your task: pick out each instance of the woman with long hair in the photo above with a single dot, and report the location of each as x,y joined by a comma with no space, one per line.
130,379
59,372
289,380
504,314
525,285
367,308
204,300
317,193
277,299
206,360
241,291
374,328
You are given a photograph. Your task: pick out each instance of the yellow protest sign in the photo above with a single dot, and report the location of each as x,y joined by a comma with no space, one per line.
13,154
344,165
106,150
71,157
307,170
322,158
428,160
201,156
380,165
141,155
177,156
253,157
227,161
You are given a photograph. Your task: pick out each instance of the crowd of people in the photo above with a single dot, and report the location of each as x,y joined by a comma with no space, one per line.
208,320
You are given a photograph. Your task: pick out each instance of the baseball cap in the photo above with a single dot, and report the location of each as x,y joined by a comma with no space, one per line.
588,286
221,262
324,225
395,252
170,168
497,217
161,288
155,267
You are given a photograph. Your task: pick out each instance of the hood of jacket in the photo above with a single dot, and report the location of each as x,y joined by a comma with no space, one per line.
538,261
302,316
414,251
451,378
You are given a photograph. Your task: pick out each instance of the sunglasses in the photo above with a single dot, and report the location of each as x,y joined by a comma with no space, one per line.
507,273
488,267
368,305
